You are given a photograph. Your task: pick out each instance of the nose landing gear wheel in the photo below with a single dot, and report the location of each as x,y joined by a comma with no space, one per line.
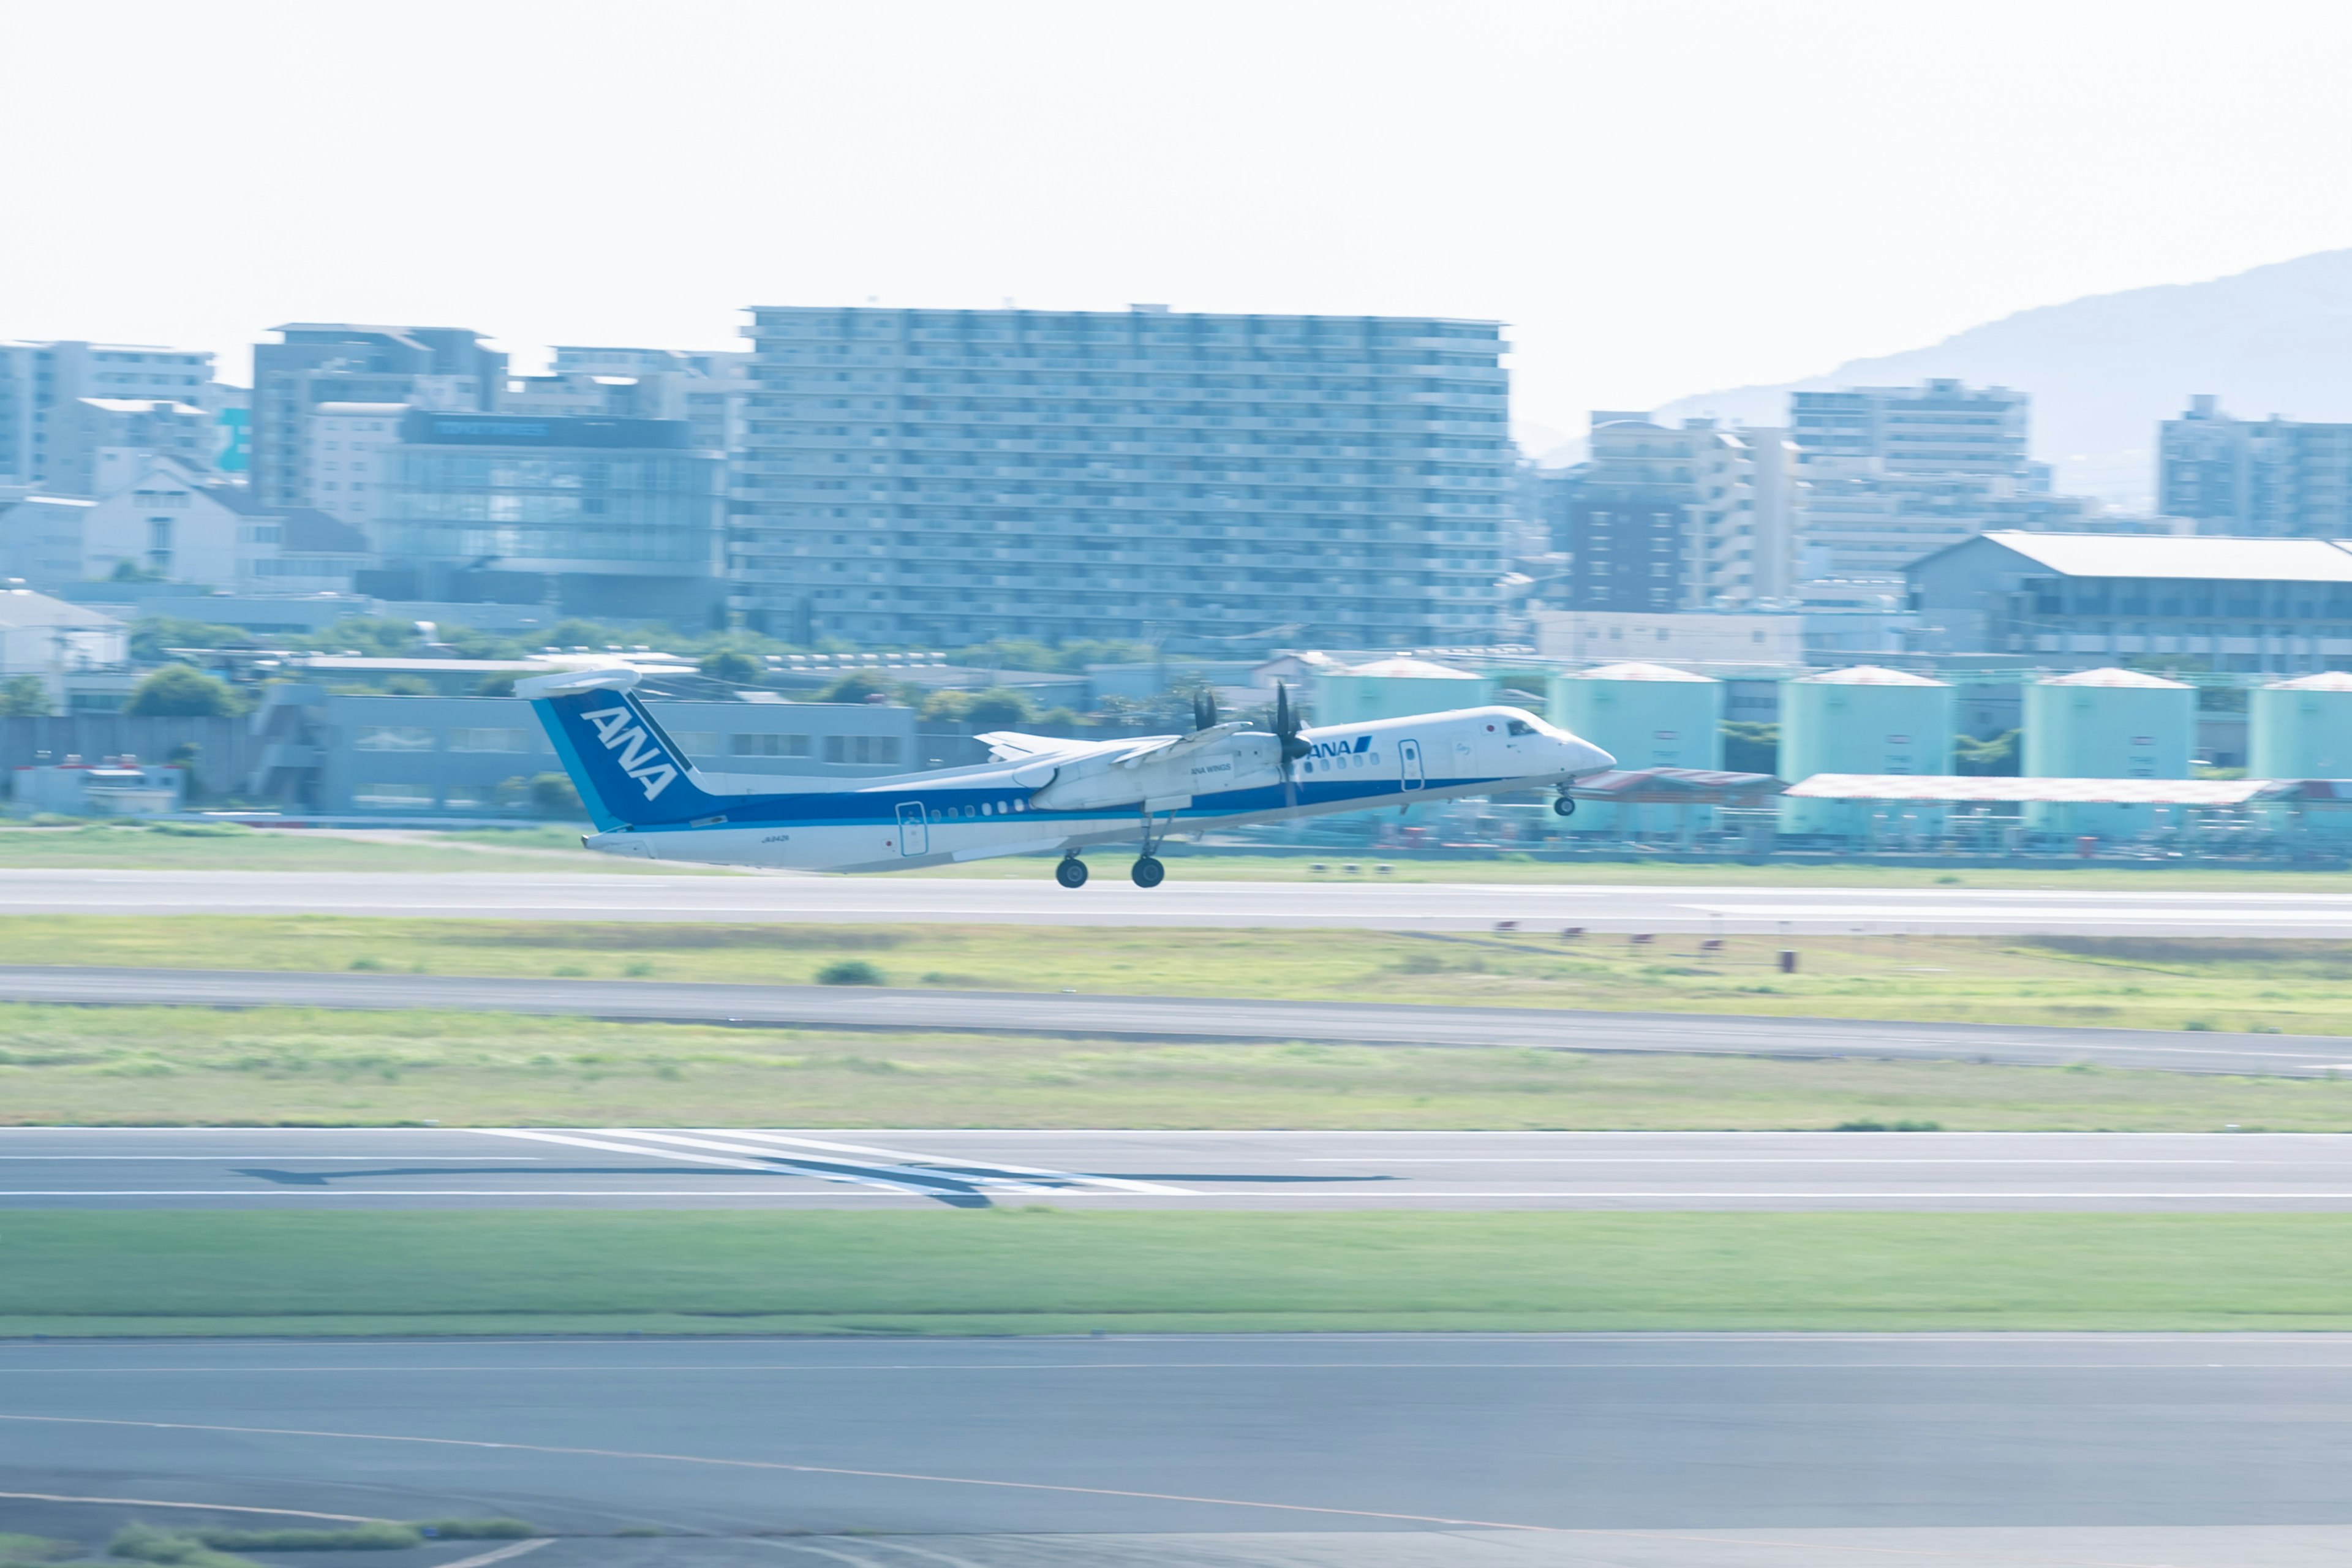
1565,805
1071,872
1148,872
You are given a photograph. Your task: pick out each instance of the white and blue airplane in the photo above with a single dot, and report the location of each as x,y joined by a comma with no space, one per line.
648,798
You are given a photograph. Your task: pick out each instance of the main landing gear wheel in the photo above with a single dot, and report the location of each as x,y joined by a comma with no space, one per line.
1148,872
1565,805
1071,872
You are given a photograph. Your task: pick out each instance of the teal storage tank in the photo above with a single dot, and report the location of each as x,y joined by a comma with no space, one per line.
1865,720
1647,716
2106,724
1396,689
2302,728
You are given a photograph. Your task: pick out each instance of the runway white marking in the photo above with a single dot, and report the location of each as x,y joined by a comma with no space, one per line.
640,1150
279,1155
206,1507
841,1168
1433,1195
500,1555
945,1162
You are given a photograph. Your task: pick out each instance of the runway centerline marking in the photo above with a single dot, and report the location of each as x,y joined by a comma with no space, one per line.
778,1465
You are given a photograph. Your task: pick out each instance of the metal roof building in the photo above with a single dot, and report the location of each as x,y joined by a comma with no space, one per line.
2083,599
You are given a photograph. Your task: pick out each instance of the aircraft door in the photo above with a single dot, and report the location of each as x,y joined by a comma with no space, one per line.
914,833
1409,762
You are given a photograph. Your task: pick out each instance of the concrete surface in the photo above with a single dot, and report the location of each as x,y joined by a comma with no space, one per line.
1029,897
1389,1451
303,1168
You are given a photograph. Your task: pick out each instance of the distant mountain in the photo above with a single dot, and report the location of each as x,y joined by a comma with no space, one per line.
2103,369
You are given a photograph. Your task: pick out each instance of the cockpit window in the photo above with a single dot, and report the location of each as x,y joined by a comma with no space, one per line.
1521,727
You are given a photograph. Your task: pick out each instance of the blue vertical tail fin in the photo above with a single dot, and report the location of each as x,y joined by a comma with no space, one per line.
629,772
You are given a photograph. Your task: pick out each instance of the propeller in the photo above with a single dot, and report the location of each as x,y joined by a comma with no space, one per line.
1285,728
1205,709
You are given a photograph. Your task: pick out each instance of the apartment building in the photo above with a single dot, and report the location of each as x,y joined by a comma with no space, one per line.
939,477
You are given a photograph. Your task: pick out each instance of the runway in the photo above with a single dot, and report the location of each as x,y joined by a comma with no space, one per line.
301,1169
1027,897
1372,1451
1186,1018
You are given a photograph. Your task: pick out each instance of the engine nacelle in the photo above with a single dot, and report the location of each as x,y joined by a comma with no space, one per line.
1237,761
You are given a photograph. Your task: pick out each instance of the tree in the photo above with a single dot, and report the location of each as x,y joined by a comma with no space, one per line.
855,686
24,698
552,794
732,666
152,636
177,691
129,571
997,705
1751,747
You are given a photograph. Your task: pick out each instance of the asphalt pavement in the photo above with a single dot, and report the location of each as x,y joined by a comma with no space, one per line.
641,1168
1374,1451
1029,897
1195,1018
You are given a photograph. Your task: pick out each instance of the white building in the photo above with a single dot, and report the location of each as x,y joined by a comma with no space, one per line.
51,639
1686,517
1690,638
343,460
1893,474
42,383
167,522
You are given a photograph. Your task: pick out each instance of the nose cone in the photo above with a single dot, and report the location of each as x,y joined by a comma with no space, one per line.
1584,757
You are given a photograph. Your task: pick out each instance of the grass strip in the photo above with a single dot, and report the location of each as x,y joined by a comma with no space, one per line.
292,1067
1055,1272
2136,982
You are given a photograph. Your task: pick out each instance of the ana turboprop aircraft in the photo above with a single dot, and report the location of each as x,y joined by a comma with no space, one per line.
647,798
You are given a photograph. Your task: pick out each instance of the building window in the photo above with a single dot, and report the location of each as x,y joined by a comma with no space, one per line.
778,746
869,750
488,740
393,796
392,737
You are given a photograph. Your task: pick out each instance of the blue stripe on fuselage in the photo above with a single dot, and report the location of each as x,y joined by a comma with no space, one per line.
879,806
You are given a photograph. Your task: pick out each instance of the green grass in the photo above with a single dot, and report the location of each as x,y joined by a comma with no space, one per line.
2289,987
547,846
173,1067
1047,1271
161,847
2063,875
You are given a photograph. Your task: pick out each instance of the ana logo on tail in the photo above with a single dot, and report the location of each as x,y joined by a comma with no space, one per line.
642,760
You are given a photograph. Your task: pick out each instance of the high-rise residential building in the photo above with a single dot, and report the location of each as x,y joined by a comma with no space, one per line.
2255,476
1893,473
1206,480
1667,517
316,363
47,438
603,518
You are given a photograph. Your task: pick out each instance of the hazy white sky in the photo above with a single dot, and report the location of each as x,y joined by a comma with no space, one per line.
1659,198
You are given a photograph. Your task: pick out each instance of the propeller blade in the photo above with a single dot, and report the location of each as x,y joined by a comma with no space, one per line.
1285,728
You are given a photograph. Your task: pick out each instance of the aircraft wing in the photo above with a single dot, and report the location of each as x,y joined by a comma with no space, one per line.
1165,748
1013,746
